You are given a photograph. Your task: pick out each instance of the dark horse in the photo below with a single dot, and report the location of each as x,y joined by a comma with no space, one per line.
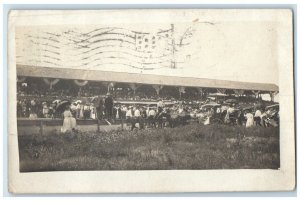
179,119
172,118
162,117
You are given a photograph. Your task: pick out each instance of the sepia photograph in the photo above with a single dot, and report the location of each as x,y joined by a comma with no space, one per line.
195,91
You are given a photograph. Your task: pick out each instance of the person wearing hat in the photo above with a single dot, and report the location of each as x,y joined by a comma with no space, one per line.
19,108
33,110
45,110
78,109
160,105
92,111
109,104
130,117
123,111
151,117
249,118
86,111
143,117
129,113
69,123
257,117
137,117
99,107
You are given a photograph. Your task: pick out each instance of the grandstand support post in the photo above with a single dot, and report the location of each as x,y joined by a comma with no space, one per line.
133,87
111,86
272,95
221,90
21,78
239,92
105,84
157,88
181,91
41,127
201,91
256,93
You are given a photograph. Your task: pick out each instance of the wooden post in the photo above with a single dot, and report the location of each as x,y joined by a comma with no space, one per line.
272,95
98,125
41,127
181,91
157,89
122,123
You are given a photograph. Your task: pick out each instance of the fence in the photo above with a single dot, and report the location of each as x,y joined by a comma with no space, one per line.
43,123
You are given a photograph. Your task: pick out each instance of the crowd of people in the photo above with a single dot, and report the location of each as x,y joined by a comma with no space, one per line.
180,113
39,102
36,91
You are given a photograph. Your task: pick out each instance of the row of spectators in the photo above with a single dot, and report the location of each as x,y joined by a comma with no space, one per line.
67,90
45,108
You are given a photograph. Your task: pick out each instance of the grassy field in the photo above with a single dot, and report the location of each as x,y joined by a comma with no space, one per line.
189,147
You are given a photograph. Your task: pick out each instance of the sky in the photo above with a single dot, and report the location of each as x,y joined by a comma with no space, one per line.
228,45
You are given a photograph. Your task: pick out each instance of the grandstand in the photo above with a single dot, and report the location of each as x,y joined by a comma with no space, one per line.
157,82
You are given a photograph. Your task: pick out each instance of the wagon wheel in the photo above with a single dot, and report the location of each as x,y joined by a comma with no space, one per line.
233,121
216,121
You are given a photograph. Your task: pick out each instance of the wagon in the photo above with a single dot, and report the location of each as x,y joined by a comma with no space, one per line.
209,106
219,118
273,107
272,118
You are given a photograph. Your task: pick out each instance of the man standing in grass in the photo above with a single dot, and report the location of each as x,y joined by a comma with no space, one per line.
99,107
109,104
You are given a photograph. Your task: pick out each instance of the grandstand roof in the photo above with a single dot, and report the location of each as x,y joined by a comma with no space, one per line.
97,75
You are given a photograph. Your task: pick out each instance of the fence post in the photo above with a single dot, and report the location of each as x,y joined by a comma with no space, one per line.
41,127
98,125
122,123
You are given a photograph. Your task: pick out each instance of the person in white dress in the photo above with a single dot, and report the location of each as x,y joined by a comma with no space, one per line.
250,119
78,108
230,110
151,117
73,109
93,111
129,113
69,123
81,113
257,117
137,117
45,110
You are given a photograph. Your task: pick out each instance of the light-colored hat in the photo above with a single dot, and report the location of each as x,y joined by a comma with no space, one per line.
32,102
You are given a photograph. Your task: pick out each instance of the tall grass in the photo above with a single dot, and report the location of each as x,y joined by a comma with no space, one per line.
188,147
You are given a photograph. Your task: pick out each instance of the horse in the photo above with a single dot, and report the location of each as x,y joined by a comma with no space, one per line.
172,118
178,119
162,117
